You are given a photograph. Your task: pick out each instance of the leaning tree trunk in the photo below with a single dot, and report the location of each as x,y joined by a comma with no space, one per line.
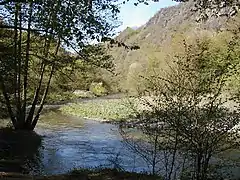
16,102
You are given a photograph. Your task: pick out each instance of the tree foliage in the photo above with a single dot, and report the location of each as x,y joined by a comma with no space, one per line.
34,49
187,112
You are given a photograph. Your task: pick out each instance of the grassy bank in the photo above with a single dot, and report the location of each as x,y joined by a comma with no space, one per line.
84,174
105,109
58,97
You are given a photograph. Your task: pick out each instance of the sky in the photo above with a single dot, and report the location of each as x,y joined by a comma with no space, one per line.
135,16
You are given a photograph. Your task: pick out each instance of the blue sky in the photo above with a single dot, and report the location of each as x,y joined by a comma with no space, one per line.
135,16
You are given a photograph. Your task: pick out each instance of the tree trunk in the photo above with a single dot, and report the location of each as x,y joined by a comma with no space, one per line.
15,53
26,64
19,69
43,67
173,156
36,95
7,100
35,120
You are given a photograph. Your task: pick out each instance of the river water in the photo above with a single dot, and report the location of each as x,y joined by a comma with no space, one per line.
71,142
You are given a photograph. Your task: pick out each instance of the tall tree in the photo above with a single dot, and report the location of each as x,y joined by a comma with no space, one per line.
38,31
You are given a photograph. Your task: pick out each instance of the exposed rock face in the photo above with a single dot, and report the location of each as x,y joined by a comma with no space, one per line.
168,20
216,8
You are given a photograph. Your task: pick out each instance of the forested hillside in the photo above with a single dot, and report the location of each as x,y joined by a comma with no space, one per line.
162,38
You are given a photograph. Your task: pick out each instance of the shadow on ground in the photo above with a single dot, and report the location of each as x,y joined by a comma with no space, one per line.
19,151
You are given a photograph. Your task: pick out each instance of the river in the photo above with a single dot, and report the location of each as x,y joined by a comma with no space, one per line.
71,142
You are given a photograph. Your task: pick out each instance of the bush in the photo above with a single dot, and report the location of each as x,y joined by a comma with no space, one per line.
99,89
187,114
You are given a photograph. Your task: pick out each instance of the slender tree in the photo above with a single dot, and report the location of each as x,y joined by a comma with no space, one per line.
41,30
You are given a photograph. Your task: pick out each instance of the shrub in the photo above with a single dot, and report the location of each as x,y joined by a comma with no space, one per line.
99,89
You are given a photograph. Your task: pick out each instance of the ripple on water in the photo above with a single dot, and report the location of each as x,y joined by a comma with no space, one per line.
84,143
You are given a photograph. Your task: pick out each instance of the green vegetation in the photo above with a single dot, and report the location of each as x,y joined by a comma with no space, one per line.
105,173
190,112
34,36
184,73
99,89
94,174
161,38
37,61
109,109
62,97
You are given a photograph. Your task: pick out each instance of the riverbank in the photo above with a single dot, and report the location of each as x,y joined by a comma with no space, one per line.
103,109
69,142
84,174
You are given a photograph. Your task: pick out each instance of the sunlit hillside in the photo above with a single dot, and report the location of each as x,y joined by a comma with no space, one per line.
161,37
